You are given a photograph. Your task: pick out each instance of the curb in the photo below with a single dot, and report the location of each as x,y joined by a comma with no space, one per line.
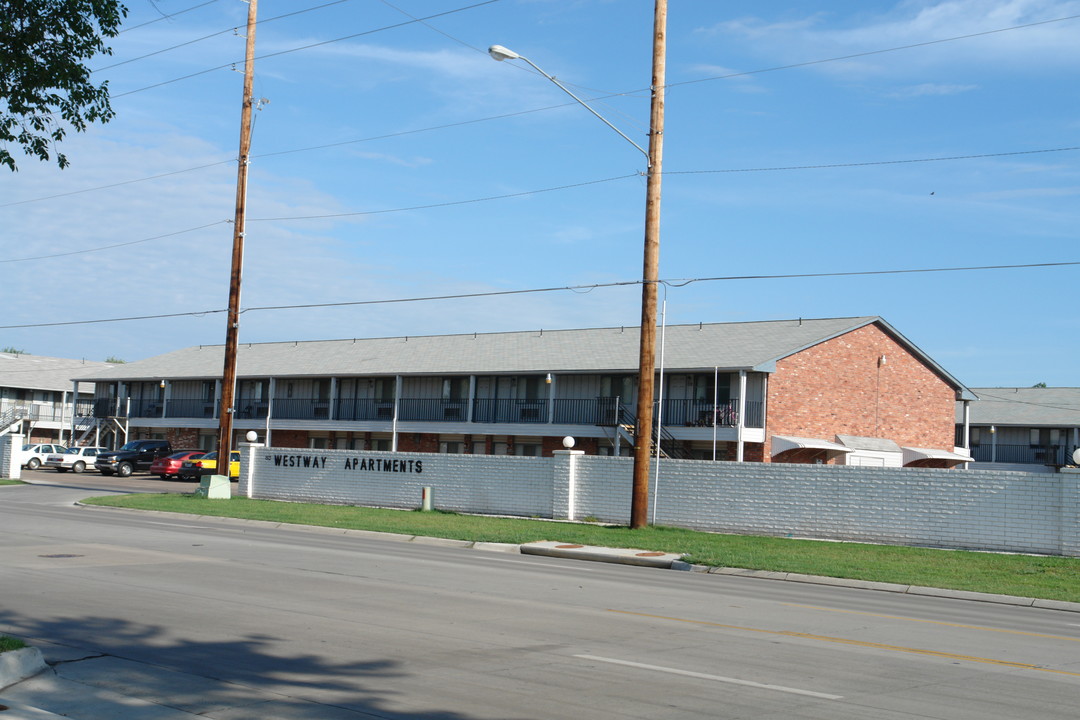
621,556
18,665
643,558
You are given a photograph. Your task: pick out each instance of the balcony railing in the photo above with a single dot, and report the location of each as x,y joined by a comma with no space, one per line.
433,410
37,412
191,408
583,411
147,408
694,413
364,409
510,411
1023,454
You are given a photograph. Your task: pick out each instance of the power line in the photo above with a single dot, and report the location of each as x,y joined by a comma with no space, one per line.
874,162
852,56
170,16
572,288
116,245
1074,408
214,34
602,97
307,47
523,193
446,204
776,168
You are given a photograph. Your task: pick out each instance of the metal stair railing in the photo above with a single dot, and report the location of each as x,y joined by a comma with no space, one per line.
11,417
669,445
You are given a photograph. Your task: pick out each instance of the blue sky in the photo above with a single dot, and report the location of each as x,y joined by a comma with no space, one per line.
403,162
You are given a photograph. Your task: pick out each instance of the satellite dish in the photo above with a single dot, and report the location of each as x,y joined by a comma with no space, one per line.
1076,456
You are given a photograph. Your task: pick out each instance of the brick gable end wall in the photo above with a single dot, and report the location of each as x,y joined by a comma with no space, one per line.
841,387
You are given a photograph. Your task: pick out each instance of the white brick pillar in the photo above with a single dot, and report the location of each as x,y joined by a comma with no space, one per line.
246,487
1070,511
564,484
10,456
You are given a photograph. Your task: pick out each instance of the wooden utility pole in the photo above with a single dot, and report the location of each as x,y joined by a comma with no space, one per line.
643,428
232,329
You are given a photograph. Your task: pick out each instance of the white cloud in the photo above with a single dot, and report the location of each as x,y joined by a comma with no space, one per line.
912,22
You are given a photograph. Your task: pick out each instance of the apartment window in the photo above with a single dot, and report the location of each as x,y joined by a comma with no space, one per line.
320,443
452,448
528,387
384,389
455,388
620,386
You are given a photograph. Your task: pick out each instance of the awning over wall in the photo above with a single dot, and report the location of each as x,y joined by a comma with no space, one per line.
912,454
783,443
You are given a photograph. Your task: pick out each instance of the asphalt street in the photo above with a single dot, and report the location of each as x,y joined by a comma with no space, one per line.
144,615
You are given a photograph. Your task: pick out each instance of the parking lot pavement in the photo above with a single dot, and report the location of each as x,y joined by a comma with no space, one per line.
93,480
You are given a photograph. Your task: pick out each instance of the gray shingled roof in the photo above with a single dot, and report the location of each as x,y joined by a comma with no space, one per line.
36,372
730,346
1027,407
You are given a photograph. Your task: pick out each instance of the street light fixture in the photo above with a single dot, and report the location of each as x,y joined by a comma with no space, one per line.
501,53
639,502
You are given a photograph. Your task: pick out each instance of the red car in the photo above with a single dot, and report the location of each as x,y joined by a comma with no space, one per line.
169,466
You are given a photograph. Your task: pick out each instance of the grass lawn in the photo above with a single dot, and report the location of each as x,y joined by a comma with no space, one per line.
10,643
1051,578
9,481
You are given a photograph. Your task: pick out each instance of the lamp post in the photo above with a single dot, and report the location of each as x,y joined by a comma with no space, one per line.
643,427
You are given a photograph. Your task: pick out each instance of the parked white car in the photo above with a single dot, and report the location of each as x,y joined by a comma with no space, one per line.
34,455
75,459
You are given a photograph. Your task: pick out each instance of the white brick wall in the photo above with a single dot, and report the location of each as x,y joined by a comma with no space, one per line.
972,509
490,484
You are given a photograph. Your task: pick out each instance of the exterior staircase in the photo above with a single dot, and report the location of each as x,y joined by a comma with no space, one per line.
12,417
625,425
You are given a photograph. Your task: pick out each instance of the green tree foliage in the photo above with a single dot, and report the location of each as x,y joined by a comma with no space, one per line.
45,86
12,350
115,360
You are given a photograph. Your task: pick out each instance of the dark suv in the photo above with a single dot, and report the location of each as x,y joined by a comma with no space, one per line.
135,455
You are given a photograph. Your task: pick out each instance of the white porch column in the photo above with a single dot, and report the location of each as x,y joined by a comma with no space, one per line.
551,398
74,402
472,399
331,412
740,417
398,382
271,394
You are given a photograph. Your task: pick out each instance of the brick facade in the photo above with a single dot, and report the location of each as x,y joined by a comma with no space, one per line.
861,383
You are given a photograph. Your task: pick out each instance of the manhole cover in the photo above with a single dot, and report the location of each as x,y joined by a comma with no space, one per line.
568,547
650,554
61,555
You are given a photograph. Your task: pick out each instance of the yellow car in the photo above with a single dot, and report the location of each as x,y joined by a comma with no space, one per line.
206,465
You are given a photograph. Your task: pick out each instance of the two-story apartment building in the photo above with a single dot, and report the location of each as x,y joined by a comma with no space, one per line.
37,398
1030,428
787,391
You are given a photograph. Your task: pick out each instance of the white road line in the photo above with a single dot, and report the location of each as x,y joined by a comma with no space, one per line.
716,678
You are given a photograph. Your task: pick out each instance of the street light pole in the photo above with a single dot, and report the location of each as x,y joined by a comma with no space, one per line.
232,329
639,501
